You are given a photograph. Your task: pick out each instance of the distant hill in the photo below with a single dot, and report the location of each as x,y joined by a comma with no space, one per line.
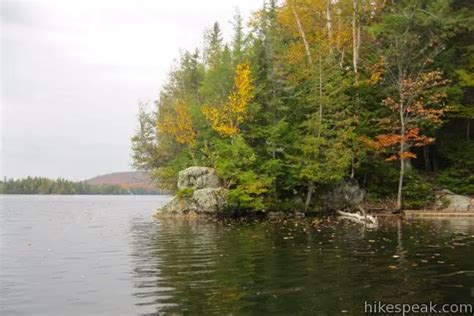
120,183
126,180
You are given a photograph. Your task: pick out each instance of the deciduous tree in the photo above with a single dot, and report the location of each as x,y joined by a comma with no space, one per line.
226,119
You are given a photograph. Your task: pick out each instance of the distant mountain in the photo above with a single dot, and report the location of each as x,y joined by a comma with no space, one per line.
137,183
126,180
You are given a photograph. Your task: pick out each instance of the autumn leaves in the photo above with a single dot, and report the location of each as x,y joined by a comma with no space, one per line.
178,124
225,119
419,103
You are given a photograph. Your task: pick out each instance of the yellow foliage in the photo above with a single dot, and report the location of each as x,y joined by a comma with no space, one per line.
178,124
377,72
314,22
226,119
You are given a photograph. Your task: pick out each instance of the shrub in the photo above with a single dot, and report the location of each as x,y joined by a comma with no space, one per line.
457,179
417,191
458,176
185,193
380,179
237,165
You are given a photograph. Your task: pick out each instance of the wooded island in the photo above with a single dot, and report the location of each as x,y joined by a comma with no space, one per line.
314,94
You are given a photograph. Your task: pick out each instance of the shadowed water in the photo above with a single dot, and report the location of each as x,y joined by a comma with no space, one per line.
76,255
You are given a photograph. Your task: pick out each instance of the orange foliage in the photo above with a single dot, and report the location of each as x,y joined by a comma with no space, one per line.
419,104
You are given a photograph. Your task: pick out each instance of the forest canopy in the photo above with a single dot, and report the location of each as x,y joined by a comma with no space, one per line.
40,185
309,93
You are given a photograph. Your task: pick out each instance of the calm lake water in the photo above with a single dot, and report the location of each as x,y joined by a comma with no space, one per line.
106,255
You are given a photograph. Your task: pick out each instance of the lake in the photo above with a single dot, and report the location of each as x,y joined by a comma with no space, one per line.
107,255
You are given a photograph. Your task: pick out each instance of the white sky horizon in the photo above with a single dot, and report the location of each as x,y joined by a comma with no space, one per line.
73,73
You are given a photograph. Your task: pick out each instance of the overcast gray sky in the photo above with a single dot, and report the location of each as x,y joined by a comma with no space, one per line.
73,72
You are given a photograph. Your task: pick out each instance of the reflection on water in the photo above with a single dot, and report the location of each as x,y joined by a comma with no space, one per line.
106,255
195,267
69,255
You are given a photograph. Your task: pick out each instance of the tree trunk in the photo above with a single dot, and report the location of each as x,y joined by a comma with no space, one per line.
426,156
407,161
355,60
402,149
435,162
329,23
353,165
320,98
468,130
303,35
400,185
341,61
308,197
355,38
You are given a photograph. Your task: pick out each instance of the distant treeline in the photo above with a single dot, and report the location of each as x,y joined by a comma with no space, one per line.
39,185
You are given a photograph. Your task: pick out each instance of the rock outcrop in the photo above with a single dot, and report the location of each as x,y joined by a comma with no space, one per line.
347,195
448,201
206,194
198,178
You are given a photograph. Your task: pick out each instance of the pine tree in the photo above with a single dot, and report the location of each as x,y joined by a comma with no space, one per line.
323,154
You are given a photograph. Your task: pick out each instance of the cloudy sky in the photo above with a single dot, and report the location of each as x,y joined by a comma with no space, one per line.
73,72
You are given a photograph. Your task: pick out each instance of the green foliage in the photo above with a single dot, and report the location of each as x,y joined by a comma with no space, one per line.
418,192
144,146
308,121
457,179
185,193
383,180
237,167
39,185
459,157
380,178
323,153
459,175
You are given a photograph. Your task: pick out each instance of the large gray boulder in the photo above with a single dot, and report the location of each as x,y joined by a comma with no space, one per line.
450,202
179,205
347,195
206,195
210,200
198,178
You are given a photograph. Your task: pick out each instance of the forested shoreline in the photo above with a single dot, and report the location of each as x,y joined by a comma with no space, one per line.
312,93
40,185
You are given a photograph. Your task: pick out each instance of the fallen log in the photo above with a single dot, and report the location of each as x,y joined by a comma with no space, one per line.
358,218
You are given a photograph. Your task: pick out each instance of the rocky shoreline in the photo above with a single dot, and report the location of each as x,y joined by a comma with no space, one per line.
202,193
